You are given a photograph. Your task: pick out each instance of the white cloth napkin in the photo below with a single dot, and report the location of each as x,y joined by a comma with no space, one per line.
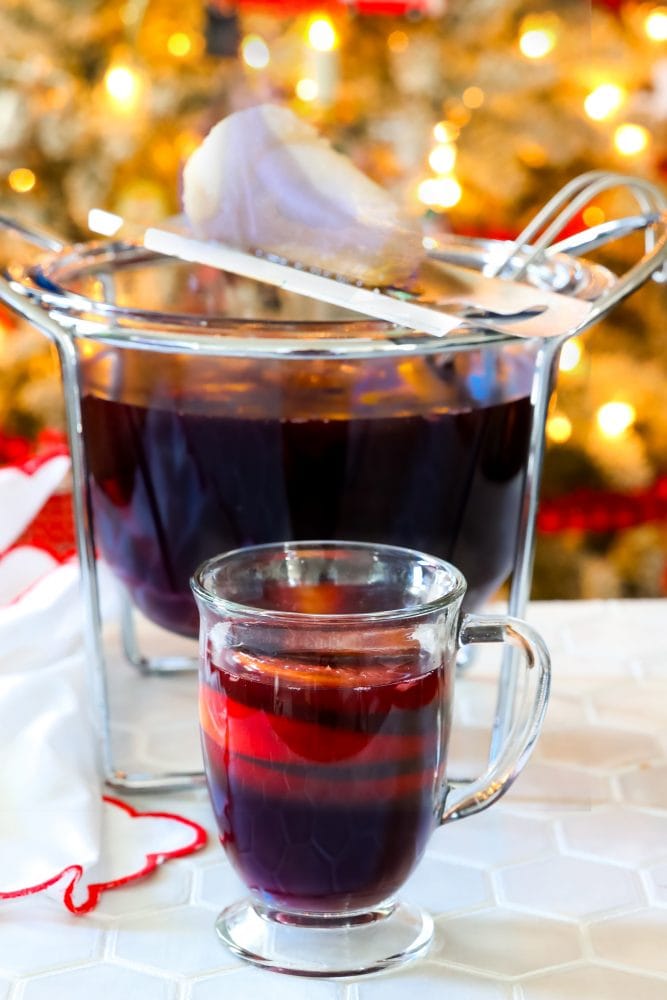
57,831
50,803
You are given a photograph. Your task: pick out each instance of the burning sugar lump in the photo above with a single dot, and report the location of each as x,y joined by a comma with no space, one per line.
264,180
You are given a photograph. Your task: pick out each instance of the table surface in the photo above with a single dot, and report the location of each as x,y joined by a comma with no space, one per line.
558,892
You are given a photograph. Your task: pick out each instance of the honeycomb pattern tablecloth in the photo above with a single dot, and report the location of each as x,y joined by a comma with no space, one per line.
559,892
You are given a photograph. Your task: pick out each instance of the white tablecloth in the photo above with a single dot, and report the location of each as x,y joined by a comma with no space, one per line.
559,892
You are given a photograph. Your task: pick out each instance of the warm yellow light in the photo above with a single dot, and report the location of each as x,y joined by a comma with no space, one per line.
631,139
179,44
614,419
255,52
443,158
473,97
21,180
655,25
593,215
322,35
439,192
570,355
306,89
604,101
459,115
397,41
559,428
536,43
164,154
532,154
123,85
446,132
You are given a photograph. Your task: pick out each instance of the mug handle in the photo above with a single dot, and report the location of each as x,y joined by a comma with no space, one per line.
464,800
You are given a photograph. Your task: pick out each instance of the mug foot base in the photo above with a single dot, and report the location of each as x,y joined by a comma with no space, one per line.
382,939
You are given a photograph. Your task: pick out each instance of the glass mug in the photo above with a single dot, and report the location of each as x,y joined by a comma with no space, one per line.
326,683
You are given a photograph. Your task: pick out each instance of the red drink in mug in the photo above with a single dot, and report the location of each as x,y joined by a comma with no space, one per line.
326,679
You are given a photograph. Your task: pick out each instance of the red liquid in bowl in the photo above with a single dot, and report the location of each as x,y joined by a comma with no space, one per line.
382,456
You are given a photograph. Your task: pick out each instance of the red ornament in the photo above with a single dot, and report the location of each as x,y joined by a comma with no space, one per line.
390,8
601,511
613,5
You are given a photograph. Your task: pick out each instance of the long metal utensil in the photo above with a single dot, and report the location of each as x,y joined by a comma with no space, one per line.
436,304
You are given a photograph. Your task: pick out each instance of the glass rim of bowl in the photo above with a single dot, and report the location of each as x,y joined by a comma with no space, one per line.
51,283
423,608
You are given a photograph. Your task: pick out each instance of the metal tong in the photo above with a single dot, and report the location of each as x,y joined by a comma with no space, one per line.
535,246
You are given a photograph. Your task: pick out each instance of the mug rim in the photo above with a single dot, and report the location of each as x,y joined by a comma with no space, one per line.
216,603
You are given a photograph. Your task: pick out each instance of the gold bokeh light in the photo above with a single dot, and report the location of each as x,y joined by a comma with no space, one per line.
631,139
570,355
446,132
473,97
255,52
21,180
536,43
306,89
442,158
398,41
593,215
604,101
615,418
124,86
559,428
440,192
322,35
179,44
655,25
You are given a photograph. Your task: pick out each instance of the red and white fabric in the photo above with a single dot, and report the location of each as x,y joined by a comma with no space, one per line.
59,832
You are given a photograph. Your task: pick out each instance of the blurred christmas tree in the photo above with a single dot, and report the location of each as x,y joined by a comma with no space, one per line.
473,111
